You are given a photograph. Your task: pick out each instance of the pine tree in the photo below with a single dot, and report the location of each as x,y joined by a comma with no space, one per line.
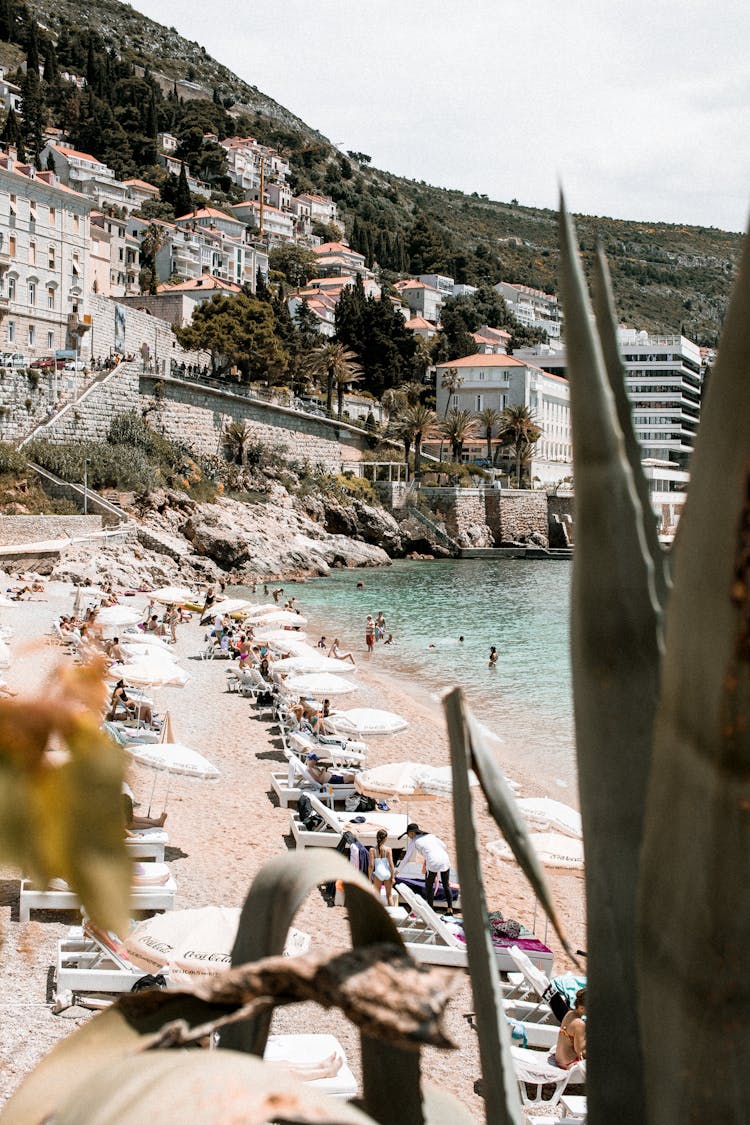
262,292
183,202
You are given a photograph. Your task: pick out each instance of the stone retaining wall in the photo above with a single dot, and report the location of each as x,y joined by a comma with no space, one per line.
40,529
89,418
199,416
515,514
118,327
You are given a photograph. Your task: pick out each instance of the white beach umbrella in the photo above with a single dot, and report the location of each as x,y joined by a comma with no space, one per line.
153,673
319,684
281,617
194,943
173,595
544,813
118,615
226,607
553,849
149,640
314,661
284,640
173,757
406,779
137,653
267,607
366,721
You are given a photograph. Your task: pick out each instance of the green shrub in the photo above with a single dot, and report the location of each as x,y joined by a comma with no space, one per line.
357,487
11,461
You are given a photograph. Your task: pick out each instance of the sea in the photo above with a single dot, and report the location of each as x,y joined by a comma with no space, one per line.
520,606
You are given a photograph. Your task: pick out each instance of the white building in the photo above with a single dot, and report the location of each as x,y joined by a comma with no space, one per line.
444,285
423,300
10,94
498,381
87,175
320,208
532,307
44,261
277,225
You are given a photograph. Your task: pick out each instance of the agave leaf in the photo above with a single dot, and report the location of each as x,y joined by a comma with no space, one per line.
504,809
606,320
390,1074
615,656
61,815
695,911
206,1087
500,1089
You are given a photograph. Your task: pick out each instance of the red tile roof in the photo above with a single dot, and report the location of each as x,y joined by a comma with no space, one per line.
336,248
76,154
206,213
206,282
481,360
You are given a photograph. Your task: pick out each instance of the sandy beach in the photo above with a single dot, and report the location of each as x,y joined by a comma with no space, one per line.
222,831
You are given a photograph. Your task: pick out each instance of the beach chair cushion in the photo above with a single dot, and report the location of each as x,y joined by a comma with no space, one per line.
317,1059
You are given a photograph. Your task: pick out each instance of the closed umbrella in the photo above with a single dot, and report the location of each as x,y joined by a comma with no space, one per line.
319,684
194,944
366,721
173,595
314,661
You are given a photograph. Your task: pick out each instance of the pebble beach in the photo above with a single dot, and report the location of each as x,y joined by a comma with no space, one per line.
221,832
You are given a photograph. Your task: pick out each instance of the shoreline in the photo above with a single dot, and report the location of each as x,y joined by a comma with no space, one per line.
222,831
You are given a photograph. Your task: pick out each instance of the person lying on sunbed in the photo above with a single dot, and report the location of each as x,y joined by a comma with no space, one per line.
133,822
134,708
325,776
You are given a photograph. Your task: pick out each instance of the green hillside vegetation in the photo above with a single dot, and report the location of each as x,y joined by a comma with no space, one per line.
144,78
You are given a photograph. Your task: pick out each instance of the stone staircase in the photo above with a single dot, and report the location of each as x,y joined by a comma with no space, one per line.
438,533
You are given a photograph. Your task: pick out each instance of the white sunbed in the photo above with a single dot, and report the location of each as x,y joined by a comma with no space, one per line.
147,843
146,898
429,939
339,753
314,1054
533,1069
88,962
335,823
288,786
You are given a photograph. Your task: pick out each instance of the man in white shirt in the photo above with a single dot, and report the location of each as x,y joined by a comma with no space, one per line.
434,855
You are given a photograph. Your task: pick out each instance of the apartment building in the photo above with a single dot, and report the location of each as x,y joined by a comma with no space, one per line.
87,175
10,94
498,381
423,300
277,225
532,307
320,208
44,261
114,256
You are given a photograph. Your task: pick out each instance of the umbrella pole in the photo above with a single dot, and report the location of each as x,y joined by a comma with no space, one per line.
151,798
166,795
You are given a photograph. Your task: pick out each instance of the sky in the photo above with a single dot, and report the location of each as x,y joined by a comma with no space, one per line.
640,109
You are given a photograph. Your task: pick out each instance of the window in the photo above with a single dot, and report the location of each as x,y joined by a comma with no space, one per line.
11,288
75,224
454,400
479,402
50,297
52,216
32,292
50,341
11,331
31,335
75,263
51,257
12,245
32,253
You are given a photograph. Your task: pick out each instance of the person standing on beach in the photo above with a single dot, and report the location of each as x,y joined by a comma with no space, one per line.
369,633
493,657
381,869
434,855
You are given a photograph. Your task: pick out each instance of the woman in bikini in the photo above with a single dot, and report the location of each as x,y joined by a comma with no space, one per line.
571,1038
382,871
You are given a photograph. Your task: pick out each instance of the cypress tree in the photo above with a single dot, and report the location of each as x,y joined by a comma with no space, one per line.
32,108
50,61
7,20
32,48
11,133
183,202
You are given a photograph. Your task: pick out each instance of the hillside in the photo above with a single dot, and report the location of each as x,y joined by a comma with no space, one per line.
667,277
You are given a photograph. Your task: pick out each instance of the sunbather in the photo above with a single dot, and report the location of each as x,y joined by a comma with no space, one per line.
133,822
133,708
571,1038
381,871
335,653
325,776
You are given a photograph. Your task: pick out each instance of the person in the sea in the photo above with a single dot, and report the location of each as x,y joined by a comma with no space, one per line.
389,639
493,657
571,1038
434,855
370,633
381,871
322,642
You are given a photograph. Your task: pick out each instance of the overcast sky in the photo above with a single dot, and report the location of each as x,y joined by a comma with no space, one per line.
639,108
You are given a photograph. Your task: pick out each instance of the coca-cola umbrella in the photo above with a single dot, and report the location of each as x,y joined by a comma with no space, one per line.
365,722
194,944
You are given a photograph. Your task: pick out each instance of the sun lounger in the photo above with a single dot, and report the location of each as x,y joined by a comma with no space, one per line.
533,1069
430,939
337,753
297,779
146,898
312,1055
147,843
90,960
336,823
126,734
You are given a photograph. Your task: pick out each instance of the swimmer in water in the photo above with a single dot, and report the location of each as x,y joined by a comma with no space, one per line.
493,657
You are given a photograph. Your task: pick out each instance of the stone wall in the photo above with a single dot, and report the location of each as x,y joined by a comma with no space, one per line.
514,515
117,327
462,511
88,418
26,397
560,510
40,529
198,415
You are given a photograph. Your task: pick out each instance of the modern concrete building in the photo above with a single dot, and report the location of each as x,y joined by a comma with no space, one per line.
532,307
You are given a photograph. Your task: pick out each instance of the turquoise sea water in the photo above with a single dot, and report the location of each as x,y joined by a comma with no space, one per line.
519,606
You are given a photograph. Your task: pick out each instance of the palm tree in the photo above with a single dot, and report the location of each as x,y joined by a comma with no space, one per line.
489,418
339,366
343,378
413,423
153,241
237,437
451,381
520,431
457,426
393,401
413,392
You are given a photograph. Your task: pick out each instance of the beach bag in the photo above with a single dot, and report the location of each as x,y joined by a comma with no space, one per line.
557,1002
311,820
